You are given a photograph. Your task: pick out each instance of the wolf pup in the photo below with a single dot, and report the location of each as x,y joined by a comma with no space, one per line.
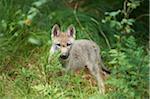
78,54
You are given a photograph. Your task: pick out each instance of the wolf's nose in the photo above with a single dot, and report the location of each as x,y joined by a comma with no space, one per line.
64,56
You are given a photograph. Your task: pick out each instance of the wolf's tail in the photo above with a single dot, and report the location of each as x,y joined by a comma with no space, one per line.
104,68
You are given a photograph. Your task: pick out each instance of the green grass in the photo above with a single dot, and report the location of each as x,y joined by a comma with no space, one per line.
33,77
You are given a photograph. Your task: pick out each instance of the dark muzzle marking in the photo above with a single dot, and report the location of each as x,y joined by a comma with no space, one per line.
64,56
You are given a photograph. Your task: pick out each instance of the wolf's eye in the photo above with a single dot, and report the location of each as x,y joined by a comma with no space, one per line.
68,44
58,44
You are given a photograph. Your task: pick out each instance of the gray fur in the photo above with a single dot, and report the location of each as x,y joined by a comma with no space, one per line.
86,53
77,54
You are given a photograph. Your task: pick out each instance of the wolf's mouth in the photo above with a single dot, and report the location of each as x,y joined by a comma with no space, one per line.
64,56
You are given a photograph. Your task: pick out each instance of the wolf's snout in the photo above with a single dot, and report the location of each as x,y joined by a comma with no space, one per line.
64,56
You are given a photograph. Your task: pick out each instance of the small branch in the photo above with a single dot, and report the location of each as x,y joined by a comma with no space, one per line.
143,15
107,41
129,10
77,19
125,8
102,33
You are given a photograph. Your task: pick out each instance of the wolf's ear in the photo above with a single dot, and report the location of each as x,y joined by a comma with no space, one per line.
71,31
55,31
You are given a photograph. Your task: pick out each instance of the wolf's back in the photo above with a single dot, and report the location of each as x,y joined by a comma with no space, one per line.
84,51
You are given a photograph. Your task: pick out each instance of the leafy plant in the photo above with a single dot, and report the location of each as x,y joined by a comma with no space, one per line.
129,70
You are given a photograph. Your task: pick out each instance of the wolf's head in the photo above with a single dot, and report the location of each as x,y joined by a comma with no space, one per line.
63,40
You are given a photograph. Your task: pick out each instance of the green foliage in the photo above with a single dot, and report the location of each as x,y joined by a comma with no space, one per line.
130,76
117,27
